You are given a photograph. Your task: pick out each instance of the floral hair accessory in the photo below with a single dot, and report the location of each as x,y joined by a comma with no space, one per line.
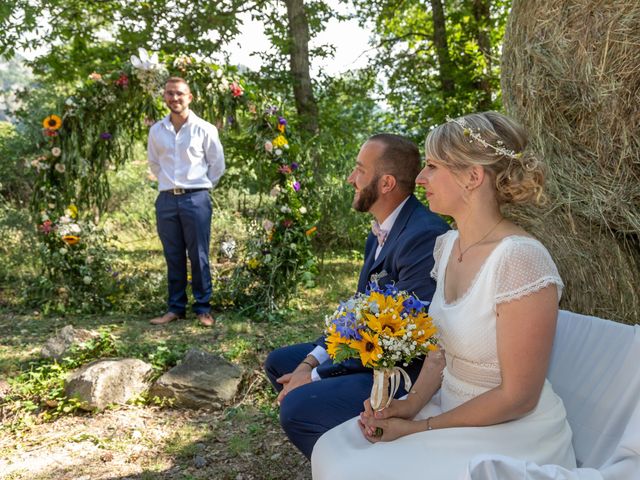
475,135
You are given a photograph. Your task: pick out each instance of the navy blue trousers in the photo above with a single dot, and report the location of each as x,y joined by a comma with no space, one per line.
184,227
312,409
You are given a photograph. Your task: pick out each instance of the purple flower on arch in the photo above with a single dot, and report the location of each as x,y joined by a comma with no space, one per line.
294,166
105,136
282,121
296,185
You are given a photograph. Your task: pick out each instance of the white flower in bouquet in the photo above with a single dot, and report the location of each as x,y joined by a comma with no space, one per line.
382,328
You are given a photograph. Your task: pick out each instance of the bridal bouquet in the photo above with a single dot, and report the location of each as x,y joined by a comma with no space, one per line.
383,328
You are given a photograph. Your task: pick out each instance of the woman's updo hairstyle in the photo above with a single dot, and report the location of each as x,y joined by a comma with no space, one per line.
496,142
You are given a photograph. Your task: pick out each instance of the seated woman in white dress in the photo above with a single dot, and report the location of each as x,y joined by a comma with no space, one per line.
495,306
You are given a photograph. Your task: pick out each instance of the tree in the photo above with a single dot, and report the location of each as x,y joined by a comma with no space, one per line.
436,57
88,35
442,48
14,75
300,66
482,17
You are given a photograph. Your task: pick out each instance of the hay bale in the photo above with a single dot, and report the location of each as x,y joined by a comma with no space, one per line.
571,75
601,274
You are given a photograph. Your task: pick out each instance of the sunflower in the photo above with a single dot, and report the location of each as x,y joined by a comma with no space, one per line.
52,122
73,210
387,302
70,239
389,323
279,141
424,328
334,340
369,349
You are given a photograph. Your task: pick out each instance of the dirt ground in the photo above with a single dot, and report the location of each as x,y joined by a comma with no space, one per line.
132,442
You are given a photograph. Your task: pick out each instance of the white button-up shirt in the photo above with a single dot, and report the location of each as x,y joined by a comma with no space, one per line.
191,158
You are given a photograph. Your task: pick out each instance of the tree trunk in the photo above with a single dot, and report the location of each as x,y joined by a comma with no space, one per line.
299,63
482,16
442,49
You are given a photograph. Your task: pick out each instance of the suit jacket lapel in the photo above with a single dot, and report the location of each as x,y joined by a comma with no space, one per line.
366,267
398,226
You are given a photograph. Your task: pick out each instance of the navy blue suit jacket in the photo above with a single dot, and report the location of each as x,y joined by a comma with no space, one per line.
407,259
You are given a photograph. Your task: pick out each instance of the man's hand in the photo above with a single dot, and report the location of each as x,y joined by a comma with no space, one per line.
300,376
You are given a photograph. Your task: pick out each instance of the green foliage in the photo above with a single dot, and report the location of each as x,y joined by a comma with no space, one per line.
348,116
75,30
40,389
408,59
278,256
14,183
76,263
77,143
17,253
162,355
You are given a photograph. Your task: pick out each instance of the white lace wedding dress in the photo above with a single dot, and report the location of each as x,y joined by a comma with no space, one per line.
518,266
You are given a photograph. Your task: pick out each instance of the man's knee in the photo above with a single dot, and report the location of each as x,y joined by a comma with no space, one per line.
271,369
300,422
294,417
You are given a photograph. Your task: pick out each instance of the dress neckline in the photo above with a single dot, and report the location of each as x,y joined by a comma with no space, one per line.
473,283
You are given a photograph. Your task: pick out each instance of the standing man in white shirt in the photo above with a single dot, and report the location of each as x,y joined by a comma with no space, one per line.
186,156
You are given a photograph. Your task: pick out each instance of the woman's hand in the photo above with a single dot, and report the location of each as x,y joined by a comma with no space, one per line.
406,409
392,428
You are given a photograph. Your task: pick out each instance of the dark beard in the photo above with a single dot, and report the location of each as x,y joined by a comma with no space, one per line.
367,197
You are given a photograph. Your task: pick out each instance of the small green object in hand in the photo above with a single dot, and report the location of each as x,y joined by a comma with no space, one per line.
378,432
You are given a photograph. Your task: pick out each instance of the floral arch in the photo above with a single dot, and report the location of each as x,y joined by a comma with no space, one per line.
95,129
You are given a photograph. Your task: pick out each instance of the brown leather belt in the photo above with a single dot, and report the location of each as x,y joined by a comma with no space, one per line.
182,191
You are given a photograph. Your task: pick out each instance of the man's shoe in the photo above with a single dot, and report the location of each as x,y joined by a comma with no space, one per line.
206,319
166,318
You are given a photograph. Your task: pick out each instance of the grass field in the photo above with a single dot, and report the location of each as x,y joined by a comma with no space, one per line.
242,440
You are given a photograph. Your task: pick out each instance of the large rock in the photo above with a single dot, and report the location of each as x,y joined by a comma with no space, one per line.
103,382
57,346
202,380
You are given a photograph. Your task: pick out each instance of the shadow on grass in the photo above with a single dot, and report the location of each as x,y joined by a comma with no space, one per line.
241,442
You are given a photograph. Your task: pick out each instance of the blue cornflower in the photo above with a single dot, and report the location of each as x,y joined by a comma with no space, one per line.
347,326
390,290
412,303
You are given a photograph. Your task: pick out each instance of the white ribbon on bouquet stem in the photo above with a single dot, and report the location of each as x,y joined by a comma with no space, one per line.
382,391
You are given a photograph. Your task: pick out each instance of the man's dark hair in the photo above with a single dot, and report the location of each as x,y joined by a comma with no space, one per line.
400,158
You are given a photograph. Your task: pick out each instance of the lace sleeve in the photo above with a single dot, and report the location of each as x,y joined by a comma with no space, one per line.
437,254
525,268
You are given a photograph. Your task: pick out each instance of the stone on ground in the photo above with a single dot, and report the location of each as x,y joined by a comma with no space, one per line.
202,380
104,382
56,347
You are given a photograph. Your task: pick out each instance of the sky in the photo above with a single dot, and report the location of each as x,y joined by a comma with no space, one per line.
349,39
